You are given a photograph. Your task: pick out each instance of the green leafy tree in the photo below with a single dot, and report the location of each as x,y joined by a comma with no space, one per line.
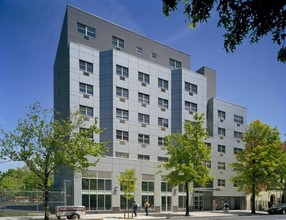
127,181
44,144
239,18
262,164
20,179
188,154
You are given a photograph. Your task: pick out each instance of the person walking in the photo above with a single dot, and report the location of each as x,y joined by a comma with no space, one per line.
225,206
146,206
135,207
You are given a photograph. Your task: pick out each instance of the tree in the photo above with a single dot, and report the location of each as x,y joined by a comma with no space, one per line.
127,181
239,18
44,144
262,164
188,154
20,179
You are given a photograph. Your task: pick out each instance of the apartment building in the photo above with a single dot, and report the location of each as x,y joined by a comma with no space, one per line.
140,90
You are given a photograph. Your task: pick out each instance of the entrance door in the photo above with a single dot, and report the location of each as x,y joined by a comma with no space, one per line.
166,203
199,202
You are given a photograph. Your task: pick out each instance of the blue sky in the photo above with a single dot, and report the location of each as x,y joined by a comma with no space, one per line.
30,29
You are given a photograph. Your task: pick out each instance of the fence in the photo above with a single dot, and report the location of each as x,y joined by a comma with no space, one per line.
28,202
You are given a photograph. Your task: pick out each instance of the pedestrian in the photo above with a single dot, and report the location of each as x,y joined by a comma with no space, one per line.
146,206
135,207
225,206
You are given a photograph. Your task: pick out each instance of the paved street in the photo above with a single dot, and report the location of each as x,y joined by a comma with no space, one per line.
202,215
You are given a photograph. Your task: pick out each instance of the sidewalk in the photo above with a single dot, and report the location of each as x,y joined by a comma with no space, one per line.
155,215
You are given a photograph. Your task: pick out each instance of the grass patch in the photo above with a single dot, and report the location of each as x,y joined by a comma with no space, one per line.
9,213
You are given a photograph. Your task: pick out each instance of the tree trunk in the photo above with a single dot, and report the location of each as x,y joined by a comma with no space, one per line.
46,203
187,199
253,199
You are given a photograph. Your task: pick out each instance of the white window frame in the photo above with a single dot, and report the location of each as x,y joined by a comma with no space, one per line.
238,119
237,135
190,106
85,30
117,42
154,55
163,103
221,148
122,114
189,87
122,135
143,138
221,131
86,110
221,165
175,63
162,141
122,71
143,77
86,66
143,118
122,92
221,183
163,84
143,98
143,157
163,122
221,114
86,88
139,50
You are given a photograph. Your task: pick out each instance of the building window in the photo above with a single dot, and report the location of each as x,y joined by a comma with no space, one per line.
163,159
85,30
237,135
165,187
143,138
143,98
143,157
221,114
163,103
163,84
236,150
221,131
147,186
182,202
238,119
85,66
139,50
122,135
122,92
208,163
221,148
96,200
122,154
221,183
154,56
117,42
221,165
85,110
143,77
122,114
189,87
122,71
143,118
190,106
85,88
175,63
162,141
163,122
